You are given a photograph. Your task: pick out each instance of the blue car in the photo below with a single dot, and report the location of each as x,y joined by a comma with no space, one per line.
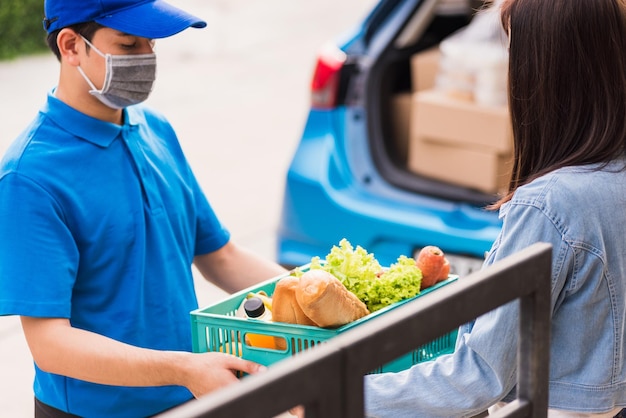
348,177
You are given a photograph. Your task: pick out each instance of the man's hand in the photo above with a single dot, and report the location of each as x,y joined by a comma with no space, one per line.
210,371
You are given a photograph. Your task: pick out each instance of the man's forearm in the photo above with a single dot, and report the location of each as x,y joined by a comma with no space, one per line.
59,348
233,268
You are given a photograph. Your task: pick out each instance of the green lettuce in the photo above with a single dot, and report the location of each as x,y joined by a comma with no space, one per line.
401,281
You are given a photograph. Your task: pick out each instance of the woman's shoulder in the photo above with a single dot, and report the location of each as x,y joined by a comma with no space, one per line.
576,185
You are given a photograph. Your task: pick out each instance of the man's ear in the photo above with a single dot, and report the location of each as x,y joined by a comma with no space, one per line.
68,42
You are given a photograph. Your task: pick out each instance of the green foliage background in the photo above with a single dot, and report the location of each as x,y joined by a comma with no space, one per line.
21,30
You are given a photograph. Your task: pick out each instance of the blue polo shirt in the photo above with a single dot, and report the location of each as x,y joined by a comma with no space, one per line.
99,223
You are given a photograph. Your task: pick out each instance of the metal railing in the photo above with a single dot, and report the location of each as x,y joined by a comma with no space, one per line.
328,379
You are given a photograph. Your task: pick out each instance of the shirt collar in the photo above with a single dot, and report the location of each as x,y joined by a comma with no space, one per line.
85,127
504,209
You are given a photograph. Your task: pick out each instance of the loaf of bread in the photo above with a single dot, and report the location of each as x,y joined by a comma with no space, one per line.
326,301
285,307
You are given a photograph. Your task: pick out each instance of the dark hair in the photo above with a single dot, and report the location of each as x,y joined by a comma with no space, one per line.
567,84
87,30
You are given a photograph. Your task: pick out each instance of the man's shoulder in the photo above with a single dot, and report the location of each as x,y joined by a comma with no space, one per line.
18,147
41,151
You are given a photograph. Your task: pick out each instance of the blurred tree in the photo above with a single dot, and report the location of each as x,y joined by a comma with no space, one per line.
21,30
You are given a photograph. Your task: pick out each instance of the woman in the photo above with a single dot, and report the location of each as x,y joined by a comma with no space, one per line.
567,97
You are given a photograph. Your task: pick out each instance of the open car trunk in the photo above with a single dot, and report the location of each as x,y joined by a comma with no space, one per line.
393,76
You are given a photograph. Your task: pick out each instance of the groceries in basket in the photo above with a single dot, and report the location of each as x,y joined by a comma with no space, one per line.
350,283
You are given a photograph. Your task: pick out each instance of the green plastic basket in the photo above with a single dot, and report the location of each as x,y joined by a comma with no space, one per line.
216,328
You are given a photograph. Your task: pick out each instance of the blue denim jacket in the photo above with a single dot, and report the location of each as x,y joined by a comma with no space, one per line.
581,211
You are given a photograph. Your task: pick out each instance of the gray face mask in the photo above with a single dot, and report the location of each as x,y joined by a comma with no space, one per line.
128,79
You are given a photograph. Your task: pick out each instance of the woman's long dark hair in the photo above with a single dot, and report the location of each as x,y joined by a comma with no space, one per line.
567,84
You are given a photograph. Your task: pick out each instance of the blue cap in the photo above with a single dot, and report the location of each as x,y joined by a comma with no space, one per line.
145,18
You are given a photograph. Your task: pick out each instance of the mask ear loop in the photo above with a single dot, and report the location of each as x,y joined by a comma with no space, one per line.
93,87
107,71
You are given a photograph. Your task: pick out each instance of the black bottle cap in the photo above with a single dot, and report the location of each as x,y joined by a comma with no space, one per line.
254,307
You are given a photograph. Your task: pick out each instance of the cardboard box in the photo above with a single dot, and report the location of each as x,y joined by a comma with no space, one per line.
400,124
463,143
424,69
440,118
465,166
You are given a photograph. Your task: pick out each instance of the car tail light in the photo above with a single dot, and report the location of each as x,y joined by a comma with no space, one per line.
325,84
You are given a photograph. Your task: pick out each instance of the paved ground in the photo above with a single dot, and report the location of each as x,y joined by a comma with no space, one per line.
236,92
